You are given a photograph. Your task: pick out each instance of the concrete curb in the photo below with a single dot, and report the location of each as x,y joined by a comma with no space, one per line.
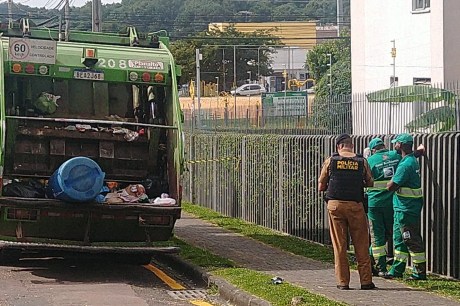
227,291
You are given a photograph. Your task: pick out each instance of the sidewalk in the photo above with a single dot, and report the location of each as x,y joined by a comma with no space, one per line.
315,276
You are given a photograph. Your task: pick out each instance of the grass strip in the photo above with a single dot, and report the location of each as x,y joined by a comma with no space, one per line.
253,282
443,286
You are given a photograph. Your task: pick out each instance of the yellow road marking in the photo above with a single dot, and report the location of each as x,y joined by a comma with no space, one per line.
165,278
200,303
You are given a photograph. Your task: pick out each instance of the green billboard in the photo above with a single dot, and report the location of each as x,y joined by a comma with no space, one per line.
284,104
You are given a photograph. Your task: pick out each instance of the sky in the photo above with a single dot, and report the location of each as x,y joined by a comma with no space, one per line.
52,3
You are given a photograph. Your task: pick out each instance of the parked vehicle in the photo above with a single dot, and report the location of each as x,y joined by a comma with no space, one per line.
112,98
248,90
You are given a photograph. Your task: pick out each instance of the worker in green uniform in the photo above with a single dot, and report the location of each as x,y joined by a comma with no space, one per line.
383,164
407,205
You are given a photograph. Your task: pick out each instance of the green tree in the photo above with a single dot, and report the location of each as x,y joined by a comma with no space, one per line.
332,106
217,50
318,62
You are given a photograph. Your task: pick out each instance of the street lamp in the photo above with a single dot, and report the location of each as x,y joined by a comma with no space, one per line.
249,80
330,73
285,89
217,89
258,64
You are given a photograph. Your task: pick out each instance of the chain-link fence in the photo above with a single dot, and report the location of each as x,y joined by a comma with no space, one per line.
271,180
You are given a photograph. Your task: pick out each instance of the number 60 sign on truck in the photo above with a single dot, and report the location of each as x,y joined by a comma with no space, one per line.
91,145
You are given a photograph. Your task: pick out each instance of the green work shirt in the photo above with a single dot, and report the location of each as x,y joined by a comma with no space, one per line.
383,164
409,197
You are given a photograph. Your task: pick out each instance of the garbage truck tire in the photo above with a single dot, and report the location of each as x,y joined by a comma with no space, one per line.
9,256
141,259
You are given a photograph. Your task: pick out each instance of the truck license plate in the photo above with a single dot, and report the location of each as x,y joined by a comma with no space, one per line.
88,75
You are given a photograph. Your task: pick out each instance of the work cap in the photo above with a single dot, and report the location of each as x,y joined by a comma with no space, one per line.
375,142
403,138
341,138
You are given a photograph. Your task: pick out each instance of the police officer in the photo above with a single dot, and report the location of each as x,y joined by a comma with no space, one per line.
407,205
344,176
383,164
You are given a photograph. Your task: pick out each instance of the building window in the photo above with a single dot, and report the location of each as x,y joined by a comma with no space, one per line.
418,5
393,81
422,81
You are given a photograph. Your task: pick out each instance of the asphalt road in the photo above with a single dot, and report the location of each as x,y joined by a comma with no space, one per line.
89,280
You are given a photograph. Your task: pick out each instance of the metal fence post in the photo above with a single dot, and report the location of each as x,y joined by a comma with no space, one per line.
244,181
215,164
191,169
280,184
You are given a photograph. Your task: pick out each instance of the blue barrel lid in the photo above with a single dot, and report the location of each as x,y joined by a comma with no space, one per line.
80,179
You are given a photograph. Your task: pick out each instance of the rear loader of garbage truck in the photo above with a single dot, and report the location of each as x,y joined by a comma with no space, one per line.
91,141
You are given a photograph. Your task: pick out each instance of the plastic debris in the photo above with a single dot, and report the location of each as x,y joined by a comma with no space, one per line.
131,136
83,127
46,103
164,201
277,280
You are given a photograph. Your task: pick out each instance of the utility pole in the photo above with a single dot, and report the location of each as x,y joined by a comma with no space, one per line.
393,84
217,90
393,55
234,76
198,57
339,16
97,16
67,19
289,60
10,14
224,61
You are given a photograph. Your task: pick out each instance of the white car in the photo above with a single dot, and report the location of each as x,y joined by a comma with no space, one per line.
248,90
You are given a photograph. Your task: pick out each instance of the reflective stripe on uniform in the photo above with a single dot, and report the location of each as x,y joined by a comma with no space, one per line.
378,251
379,185
418,257
401,256
409,192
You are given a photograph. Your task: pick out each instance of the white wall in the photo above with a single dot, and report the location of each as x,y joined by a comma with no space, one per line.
375,24
451,15
420,41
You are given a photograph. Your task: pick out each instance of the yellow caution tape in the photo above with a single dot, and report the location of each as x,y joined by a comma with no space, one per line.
211,160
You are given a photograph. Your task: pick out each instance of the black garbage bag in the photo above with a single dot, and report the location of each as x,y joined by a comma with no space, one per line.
28,189
154,186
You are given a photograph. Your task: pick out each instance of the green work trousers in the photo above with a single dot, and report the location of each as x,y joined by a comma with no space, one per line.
381,228
408,241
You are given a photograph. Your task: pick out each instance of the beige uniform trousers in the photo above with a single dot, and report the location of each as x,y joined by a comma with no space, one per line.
344,217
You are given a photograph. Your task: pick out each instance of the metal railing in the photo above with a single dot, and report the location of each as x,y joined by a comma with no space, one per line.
424,110
271,180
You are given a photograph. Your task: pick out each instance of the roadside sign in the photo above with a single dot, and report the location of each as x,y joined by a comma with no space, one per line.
283,104
32,51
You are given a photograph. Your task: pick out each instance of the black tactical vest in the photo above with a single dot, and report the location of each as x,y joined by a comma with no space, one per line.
346,178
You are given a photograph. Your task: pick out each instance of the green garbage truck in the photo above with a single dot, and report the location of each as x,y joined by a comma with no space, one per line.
109,97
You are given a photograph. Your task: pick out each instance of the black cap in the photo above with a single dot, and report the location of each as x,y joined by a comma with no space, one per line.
341,138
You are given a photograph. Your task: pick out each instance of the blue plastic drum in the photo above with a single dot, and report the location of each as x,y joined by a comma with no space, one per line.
79,179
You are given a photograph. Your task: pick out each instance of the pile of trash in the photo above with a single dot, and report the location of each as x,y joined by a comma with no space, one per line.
134,193
129,135
111,193
80,179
